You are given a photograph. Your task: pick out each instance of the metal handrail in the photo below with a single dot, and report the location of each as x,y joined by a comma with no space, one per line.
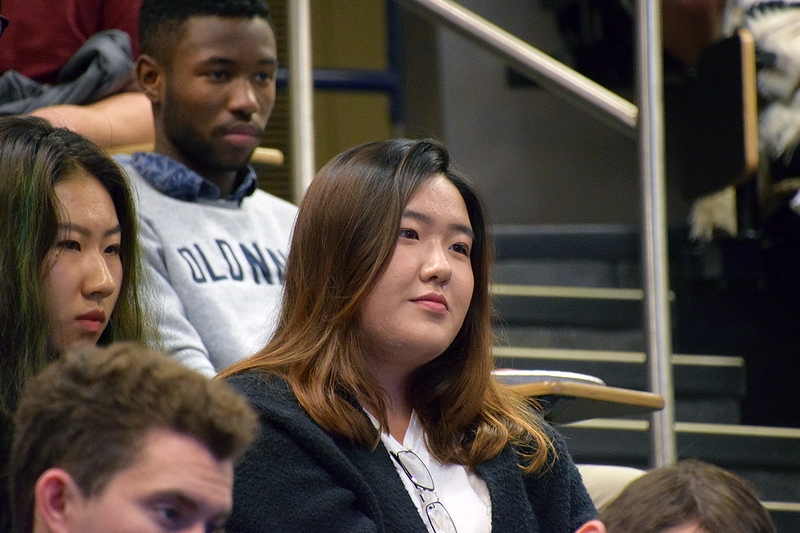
554,75
654,224
301,88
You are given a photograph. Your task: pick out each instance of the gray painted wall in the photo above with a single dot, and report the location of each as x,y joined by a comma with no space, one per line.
537,159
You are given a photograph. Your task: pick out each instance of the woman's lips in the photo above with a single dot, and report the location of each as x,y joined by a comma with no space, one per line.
433,301
92,321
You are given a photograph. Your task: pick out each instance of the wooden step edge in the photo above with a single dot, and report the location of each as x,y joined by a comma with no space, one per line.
738,430
568,354
610,356
586,293
789,507
691,427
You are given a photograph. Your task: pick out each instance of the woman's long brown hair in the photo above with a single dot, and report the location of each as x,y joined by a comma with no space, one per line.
343,240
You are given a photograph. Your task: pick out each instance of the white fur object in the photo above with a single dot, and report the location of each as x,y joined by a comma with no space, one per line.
713,211
779,128
776,30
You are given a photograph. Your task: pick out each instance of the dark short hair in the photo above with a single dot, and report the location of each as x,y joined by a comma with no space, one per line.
89,412
161,21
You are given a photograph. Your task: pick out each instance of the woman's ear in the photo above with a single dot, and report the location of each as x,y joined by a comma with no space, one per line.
592,526
57,498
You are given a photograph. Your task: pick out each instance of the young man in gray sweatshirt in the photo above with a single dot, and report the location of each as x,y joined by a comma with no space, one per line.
215,244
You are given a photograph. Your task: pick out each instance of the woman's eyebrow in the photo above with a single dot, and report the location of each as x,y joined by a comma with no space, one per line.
83,230
426,219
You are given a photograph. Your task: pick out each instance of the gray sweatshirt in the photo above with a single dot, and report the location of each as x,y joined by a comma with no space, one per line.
215,267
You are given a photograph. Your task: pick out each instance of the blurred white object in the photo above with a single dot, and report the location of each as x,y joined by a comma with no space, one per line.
514,377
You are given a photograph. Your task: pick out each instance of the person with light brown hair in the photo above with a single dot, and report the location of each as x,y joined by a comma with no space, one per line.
377,405
125,439
687,497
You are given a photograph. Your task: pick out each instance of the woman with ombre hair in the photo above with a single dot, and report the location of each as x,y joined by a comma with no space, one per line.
379,411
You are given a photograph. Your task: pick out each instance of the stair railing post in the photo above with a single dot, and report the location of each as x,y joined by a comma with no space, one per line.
301,90
654,234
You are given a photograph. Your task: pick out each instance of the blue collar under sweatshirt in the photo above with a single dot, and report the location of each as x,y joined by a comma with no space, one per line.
178,181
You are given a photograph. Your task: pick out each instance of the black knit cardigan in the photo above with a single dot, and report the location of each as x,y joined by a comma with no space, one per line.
297,478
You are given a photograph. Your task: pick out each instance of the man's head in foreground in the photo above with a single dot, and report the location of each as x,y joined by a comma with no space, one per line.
124,439
687,497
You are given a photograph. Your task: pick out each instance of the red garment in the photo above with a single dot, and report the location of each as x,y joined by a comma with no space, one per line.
43,34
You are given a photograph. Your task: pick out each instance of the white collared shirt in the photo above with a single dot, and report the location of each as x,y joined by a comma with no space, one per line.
462,493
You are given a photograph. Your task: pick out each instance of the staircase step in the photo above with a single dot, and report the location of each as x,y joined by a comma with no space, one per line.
785,521
785,515
707,388
617,308
694,375
626,442
766,456
568,272
569,299
608,242
586,338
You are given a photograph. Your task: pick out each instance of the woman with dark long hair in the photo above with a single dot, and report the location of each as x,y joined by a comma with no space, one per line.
68,254
379,411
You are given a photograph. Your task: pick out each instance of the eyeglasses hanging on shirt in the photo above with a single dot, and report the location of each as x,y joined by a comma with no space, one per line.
420,476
